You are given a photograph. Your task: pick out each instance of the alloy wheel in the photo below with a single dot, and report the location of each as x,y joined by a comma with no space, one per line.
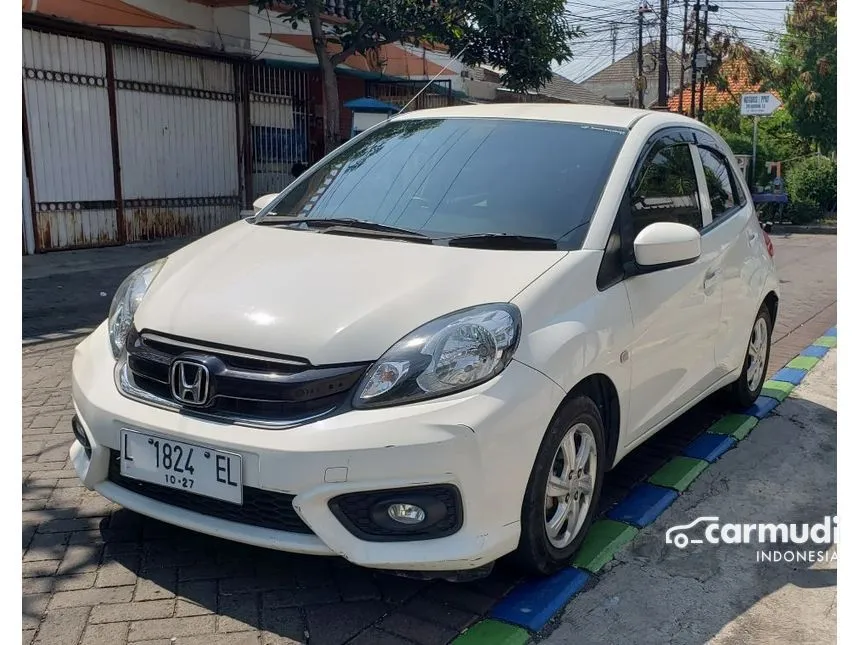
757,354
570,486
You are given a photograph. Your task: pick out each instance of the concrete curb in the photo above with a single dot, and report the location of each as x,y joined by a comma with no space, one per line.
788,229
531,605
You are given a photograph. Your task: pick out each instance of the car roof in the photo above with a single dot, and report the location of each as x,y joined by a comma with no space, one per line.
609,116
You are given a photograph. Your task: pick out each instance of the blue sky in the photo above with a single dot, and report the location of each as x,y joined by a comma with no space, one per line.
755,21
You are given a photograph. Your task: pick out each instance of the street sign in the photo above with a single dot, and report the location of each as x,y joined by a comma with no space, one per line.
763,104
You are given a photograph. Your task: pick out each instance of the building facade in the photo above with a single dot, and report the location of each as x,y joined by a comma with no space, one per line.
617,82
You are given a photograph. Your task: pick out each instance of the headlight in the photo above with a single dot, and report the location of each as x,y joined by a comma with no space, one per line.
449,354
126,301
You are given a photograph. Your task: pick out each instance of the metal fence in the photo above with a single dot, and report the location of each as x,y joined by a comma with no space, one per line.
124,142
279,126
400,93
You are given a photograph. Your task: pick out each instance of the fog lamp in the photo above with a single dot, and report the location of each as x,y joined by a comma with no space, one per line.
406,513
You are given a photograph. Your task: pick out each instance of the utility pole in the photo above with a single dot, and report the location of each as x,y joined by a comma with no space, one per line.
613,34
693,60
683,51
708,9
640,89
663,80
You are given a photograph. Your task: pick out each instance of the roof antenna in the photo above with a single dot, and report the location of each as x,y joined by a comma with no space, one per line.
430,82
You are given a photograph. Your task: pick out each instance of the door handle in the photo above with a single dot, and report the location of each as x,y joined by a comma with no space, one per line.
711,277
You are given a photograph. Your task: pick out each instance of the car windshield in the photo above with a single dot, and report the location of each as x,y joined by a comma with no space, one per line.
456,177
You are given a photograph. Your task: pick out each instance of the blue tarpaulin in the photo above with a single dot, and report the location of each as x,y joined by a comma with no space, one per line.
371,105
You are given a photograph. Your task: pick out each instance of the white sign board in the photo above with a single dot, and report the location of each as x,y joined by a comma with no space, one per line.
763,104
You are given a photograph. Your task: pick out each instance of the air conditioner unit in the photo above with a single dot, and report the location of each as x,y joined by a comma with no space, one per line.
465,73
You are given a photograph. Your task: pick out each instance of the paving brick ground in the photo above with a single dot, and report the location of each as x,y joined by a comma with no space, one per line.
94,573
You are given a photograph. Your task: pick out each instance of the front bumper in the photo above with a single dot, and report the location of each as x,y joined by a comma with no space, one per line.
482,441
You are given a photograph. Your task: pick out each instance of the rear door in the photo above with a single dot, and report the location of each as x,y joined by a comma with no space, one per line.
733,232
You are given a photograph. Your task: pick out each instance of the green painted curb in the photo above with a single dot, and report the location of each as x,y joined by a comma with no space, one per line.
679,473
492,632
778,390
604,538
736,425
803,362
825,341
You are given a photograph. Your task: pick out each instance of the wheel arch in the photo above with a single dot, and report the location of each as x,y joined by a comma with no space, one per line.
771,301
601,389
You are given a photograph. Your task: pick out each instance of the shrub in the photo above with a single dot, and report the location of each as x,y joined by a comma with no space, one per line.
811,187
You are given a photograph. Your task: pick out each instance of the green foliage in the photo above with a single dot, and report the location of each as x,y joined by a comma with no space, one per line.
811,186
523,37
807,70
777,136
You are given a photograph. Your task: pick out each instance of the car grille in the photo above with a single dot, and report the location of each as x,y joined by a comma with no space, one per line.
262,508
244,386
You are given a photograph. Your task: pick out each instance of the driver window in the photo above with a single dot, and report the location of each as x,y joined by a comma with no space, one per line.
666,189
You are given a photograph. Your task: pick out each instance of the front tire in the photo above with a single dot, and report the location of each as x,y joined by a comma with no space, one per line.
564,488
747,388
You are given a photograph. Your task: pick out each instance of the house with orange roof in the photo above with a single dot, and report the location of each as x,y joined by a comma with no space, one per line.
738,82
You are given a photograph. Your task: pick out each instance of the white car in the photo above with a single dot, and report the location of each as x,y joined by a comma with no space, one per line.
425,353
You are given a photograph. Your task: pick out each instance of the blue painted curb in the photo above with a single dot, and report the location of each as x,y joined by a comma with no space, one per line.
789,375
830,332
710,447
815,351
533,604
643,504
762,407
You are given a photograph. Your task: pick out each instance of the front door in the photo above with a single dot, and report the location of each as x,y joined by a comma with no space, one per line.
675,311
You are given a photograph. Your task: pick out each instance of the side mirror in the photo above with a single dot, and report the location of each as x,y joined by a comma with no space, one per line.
663,245
261,202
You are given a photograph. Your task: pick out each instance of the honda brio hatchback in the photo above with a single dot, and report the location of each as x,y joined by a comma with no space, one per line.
426,352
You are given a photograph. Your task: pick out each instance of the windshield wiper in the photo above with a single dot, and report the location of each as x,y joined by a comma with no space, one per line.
502,241
351,222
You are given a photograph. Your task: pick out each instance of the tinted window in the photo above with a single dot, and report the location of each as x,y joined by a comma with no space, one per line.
720,180
666,189
451,177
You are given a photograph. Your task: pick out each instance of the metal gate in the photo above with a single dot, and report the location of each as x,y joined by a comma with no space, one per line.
29,240
178,148
126,143
279,125
67,118
400,93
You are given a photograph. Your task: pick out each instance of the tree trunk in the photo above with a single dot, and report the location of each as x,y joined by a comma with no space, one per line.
329,76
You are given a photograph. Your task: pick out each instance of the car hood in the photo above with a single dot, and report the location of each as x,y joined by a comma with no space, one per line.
322,297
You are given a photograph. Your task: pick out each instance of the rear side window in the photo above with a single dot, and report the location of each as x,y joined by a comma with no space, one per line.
666,189
720,180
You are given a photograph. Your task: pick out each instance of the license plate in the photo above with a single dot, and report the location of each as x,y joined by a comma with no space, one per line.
180,465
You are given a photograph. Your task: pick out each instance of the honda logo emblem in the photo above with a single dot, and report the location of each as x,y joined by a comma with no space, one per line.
189,382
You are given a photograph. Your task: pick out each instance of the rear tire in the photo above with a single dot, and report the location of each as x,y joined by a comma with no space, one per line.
747,388
564,488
